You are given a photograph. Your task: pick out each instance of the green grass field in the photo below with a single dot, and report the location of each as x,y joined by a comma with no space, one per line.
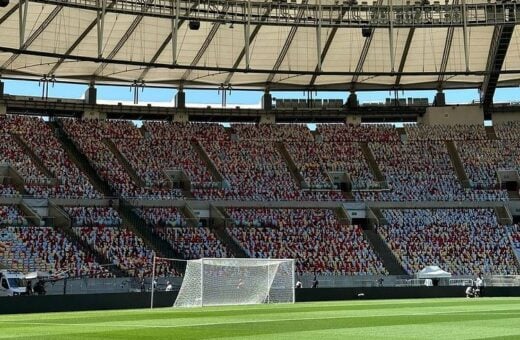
487,318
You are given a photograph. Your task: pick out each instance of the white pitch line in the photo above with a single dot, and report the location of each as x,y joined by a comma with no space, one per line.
101,324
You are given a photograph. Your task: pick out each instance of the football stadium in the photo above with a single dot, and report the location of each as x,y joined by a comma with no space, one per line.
259,169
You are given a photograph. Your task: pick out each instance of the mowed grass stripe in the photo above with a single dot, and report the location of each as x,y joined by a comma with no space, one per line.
380,307
266,321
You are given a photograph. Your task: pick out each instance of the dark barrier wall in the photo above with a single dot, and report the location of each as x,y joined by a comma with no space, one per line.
83,302
62,303
370,293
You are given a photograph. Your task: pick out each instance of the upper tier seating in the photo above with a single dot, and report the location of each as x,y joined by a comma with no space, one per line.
483,158
273,132
421,171
40,138
358,133
443,132
105,162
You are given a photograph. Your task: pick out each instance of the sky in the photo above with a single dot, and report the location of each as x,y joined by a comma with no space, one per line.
157,95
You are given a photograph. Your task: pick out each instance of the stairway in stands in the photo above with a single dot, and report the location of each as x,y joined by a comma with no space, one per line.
293,169
35,159
504,216
124,162
380,247
217,176
124,208
372,163
490,132
457,164
218,227
82,162
88,249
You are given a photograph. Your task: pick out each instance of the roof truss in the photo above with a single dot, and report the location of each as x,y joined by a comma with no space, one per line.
497,53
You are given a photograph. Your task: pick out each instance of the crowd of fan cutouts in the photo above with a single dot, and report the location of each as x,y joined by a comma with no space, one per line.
460,241
314,238
251,162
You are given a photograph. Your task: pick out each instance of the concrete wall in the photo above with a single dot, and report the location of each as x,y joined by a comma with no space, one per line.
352,119
503,117
181,117
3,110
268,119
452,115
93,114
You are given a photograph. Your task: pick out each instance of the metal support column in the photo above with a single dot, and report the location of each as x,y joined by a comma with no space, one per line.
101,26
247,30
391,35
22,20
465,32
175,26
318,36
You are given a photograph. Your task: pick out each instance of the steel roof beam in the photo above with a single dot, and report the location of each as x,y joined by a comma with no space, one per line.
326,48
72,47
204,47
478,14
406,50
364,53
9,13
33,36
243,52
161,48
285,49
229,69
497,54
130,30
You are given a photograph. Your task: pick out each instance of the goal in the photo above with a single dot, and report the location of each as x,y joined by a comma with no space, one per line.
218,282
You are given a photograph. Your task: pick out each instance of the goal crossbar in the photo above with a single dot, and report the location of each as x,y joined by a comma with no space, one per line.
232,281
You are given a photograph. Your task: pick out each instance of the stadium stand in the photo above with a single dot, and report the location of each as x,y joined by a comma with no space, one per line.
444,133
104,160
313,237
191,242
246,162
102,228
29,248
461,241
33,132
482,159
421,171
358,133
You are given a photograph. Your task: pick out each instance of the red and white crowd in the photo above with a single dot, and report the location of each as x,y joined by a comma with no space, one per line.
102,229
29,248
66,180
460,241
193,242
313,237
421,171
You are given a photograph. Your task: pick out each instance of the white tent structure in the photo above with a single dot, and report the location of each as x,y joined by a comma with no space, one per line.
433,272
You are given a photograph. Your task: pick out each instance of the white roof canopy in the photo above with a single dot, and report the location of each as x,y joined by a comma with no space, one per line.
67,41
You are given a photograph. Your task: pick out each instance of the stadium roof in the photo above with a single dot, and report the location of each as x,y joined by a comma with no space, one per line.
279,45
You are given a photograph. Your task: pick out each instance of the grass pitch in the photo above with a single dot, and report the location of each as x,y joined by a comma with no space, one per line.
486,318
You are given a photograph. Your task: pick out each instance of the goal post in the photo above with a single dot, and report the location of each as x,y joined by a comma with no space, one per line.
230,281
166,275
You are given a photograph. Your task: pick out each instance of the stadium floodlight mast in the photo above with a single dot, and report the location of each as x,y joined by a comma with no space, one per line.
233,281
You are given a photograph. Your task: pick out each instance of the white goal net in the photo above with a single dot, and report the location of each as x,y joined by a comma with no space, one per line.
217,282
